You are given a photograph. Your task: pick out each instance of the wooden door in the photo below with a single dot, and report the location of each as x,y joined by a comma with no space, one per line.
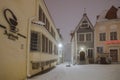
114,55
82,56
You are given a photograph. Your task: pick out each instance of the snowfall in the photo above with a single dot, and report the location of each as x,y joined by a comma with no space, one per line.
81,72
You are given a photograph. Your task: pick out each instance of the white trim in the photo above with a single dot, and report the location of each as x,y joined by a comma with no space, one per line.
78,37
91,36
89,23
92,49
84,23
85,37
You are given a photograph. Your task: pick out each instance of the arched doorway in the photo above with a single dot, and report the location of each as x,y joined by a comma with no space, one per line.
82,56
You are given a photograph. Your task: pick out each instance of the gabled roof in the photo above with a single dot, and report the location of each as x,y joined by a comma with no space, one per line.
112,13
84,18
109,14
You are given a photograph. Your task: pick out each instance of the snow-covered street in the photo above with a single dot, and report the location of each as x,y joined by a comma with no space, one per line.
82,72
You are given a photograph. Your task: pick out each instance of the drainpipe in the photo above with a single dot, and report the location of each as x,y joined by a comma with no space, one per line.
28,44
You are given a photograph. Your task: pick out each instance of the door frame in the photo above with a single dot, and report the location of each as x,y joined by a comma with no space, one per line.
84,55
117,52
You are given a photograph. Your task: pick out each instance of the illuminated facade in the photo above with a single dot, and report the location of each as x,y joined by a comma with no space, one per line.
107,34
28,39
82,42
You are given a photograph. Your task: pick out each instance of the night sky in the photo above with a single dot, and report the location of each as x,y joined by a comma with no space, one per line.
66,14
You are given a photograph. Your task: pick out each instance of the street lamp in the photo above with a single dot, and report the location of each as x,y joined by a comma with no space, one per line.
60,45
82,48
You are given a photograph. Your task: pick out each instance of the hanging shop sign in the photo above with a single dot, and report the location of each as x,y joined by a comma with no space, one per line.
12,31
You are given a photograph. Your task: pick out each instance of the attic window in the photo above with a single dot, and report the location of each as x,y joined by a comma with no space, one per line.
84,21
84,24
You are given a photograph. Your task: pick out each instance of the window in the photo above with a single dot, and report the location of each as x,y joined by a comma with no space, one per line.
46,45
84,24
102,36
55,50
35,41
52,32
90,53
43,43
99,49
35,65
40,14
44,18
50,47
113,35
88,37
81,37
47,24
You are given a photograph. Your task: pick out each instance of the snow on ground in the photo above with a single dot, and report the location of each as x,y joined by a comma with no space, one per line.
82,72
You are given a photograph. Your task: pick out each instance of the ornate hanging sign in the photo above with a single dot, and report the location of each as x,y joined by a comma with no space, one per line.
12,31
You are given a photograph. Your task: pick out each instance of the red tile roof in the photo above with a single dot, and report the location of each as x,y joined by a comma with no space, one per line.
112,13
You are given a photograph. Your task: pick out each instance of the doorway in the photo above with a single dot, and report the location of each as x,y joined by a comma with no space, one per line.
82,56
114,54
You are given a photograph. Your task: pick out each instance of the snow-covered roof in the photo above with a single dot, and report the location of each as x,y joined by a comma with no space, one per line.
112,13
118,13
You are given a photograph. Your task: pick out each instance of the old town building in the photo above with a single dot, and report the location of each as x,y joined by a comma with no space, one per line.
107,34
28,39
82,42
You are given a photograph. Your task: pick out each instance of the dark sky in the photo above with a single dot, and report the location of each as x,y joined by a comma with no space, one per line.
68,13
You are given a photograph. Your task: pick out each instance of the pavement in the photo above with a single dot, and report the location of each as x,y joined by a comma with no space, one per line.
81,72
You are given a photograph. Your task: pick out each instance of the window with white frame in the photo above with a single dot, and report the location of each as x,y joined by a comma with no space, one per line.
88,37
90,53
102,36
35,41
81,37
113,35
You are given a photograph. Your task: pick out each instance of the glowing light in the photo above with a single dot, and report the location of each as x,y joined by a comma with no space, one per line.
60,45
82,48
